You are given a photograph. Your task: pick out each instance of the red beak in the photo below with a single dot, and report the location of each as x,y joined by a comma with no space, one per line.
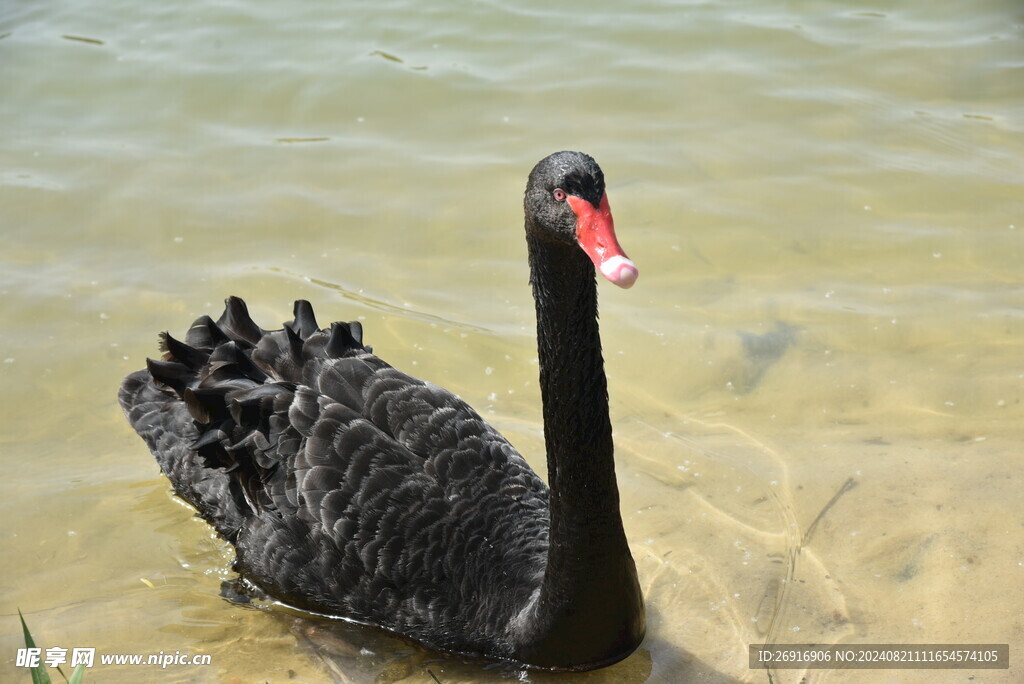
595,231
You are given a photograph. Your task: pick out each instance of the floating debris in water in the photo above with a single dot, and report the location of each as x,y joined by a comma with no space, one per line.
301,140
387,55
80,39
396,59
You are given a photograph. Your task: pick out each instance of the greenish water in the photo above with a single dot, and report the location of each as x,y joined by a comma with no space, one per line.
816,383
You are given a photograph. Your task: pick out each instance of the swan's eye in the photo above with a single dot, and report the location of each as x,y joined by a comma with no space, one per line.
559,194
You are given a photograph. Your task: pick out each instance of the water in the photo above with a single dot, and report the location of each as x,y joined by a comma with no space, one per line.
816,384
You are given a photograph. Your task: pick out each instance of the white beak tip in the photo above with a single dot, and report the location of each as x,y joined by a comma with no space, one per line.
620,270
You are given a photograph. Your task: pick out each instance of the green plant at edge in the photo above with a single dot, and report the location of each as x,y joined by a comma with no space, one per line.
39,675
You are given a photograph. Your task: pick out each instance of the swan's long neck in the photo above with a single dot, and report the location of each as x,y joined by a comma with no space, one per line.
577,430
590,592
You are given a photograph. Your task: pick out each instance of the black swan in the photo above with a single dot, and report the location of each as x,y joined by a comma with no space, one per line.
351,489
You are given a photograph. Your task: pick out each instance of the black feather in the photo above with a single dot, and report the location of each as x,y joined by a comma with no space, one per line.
205,334
356,330
179,351
341,341
171,373
294,343
304,324
237,323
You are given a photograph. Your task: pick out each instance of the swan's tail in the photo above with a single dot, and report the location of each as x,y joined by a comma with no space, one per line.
222,386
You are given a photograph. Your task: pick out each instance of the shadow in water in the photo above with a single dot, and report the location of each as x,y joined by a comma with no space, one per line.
762,352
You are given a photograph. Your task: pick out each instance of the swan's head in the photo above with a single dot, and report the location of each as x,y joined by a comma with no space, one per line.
566,202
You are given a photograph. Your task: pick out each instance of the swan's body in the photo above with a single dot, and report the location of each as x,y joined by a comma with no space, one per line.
350,488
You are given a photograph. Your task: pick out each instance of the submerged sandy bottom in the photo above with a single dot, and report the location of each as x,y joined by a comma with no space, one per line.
816,383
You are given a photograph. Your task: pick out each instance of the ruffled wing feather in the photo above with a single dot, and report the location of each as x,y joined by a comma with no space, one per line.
347,486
